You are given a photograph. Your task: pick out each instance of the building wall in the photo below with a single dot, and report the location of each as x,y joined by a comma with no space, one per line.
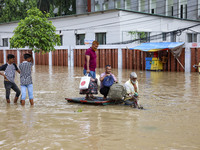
115,23
192,6
89,25
193,9
81,6
134,5
155,25
161,7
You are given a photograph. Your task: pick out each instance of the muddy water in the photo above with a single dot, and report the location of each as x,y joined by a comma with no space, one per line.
170,120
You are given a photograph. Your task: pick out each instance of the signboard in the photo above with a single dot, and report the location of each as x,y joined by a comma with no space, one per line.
194,44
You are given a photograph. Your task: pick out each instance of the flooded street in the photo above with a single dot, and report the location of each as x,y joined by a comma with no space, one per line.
170,121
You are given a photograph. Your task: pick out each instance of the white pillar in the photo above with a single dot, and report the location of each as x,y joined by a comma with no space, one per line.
120,58
4,55
120,64
50,58
69,56
18,56
72,56
187,58
33,54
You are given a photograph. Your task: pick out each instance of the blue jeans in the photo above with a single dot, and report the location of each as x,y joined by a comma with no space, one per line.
30,91
91,74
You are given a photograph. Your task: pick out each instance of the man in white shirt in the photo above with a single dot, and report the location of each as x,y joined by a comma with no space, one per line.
132,89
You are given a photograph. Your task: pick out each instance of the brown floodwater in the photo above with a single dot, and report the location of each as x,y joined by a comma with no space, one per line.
170,120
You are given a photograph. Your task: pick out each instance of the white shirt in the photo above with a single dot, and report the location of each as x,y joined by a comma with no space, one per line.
130,88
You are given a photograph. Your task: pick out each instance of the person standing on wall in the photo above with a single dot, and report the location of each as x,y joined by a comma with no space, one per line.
90,63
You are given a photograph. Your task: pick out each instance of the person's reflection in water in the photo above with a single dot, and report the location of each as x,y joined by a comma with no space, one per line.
28,117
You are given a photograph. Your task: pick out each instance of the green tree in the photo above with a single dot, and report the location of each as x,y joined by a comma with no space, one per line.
12,10
26,5
36,32
142,36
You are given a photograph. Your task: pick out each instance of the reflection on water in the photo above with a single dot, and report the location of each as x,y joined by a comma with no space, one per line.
170,119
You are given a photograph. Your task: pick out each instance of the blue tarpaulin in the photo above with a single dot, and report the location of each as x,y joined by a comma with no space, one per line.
157,46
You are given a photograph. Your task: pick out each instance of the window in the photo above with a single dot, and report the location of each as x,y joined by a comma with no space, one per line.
5,42
181,13
173,37
182,9
144,37
61,40
80,39
186,11
128,4
105,6
142,5
117,4
101,38
97,7
198,8
192,37
153,6
169,8
152,11
172,11
164,36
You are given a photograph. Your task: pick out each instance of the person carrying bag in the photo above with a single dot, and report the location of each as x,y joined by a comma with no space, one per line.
107,80
85,81
88,86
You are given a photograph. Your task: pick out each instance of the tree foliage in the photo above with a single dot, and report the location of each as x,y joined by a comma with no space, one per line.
12,10
36,32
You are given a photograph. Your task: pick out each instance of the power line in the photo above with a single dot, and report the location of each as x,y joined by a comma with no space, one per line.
157,36
111,23
127,15
107,24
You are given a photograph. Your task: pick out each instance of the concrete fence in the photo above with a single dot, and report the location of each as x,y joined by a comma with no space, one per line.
114,55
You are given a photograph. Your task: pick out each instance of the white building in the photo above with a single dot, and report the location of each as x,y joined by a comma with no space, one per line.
116,26
188,9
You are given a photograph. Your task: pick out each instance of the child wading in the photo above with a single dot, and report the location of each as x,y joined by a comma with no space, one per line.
26,78
9,77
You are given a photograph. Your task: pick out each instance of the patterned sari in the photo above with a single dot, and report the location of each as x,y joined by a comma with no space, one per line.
93,88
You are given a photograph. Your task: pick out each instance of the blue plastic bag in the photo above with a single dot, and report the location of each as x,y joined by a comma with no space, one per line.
108,81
